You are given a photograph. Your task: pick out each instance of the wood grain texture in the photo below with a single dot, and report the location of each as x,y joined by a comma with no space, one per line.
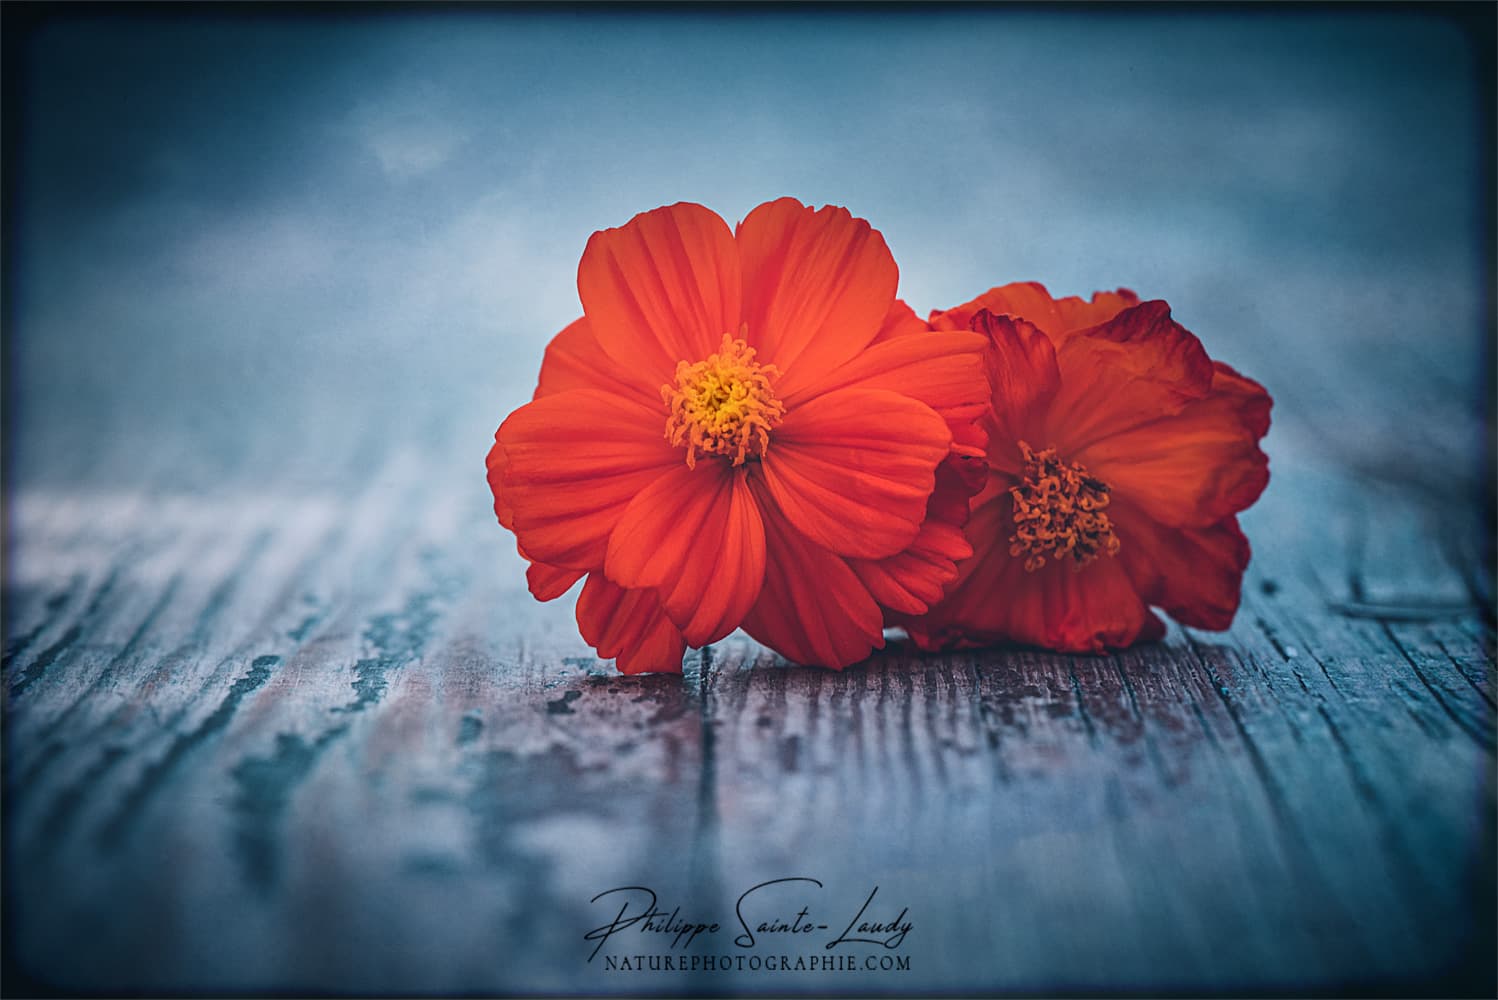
282,739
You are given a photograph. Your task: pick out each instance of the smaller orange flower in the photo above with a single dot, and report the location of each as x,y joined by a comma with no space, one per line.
1119,457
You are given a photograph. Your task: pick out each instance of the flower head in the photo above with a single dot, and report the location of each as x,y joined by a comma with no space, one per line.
1119,456
745,428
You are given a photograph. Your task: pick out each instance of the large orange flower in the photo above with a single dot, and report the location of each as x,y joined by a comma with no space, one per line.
745,428
1119,456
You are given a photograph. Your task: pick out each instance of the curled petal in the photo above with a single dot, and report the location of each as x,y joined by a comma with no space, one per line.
569,466
1135,368
630,627
1194,574
909,582
1254,403
1029,300
1022,368
695,535
817,287
853,469
1197,466
661,289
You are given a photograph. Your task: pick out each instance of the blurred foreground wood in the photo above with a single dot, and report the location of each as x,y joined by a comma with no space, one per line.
264,738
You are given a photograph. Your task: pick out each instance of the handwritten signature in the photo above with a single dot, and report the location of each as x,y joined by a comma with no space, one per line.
762,911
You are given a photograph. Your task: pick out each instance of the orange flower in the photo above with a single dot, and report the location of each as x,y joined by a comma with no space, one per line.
745,428
1119,456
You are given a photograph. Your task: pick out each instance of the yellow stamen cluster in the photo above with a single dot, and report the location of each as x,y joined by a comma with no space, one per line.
724,405
1058,510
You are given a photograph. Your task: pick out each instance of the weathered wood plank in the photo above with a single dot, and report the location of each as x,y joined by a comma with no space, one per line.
210,769
347,742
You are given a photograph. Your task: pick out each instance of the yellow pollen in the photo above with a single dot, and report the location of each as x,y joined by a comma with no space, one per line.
1058,511
724,405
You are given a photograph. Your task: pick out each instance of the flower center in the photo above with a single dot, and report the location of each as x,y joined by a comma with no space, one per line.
1058,511
724,405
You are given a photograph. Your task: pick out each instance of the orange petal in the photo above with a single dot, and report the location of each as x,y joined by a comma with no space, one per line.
629,627
574,360
496,463
696,536
911,581
661,289
900,321
817,287
1074,610
1254,401
1137,367
972,611
813,609
571,464
1022,368
853,469
1029,300
1195,574
547,582
1196,467
946,371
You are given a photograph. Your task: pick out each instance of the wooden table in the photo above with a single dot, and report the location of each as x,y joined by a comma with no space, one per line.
267,737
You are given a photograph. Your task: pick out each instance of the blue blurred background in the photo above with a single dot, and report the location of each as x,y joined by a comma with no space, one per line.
265,238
